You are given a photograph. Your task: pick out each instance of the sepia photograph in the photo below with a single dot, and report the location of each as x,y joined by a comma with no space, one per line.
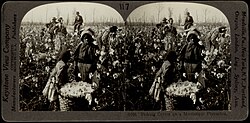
165,56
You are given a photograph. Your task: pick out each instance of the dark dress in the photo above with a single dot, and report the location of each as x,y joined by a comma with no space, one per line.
85,59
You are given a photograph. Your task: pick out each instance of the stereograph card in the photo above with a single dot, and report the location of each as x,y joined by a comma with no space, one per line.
124,61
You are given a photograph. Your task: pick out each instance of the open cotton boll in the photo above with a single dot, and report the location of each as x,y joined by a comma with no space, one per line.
193,97
95,43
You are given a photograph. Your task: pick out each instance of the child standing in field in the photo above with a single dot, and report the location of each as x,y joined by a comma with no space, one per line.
163,78
58,77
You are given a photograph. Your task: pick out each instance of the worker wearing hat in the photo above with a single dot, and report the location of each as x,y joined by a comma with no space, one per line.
60,20
162,28
170,38
54,19
106,38
188,21
60,28
213,36
164,20
164,23
84,56
171,28
78,22
51,26
193,31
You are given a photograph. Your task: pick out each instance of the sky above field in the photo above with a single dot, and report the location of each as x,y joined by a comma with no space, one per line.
94,12
156,11
89,12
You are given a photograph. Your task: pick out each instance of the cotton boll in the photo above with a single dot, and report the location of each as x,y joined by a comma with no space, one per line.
196,75
91,75
96,101
207,53
204,65
98,66
79,75
193,97
94,85
111,51
168,89
184,75
206,58
49,59
89,98
201,101
115,75
47,68
215,52
208,90
221,63
200,42
97,52
218,75
54,57
103,90
95,43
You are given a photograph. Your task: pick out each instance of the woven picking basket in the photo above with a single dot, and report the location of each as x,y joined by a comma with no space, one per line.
75,96
73,104
178,95
65,104
169,103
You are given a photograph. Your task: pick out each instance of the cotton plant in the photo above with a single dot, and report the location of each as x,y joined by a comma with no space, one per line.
125,39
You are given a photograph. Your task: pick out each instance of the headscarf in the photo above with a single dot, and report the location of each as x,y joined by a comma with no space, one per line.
171,56
193,33
64,55
89,33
